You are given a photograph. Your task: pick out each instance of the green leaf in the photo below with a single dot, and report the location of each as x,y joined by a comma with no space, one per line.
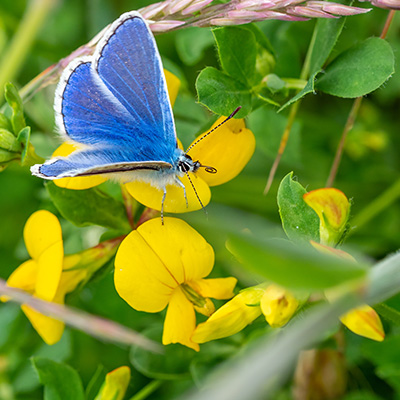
8,141
309,88
191,44
89,207
327,32
299,221
237,49
24,137
358,70
173,364
60,381
15,102
388,313
5,123
222,94
6,156
293,266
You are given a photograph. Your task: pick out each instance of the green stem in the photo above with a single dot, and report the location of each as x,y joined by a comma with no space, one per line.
292,83
147,390
292,115
339,151
14,56
378,205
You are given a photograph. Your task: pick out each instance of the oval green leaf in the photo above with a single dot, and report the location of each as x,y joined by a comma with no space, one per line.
359,70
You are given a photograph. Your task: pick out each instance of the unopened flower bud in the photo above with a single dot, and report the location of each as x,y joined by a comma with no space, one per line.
278,305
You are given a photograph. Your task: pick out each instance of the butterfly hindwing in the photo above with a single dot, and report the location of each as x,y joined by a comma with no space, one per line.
93,162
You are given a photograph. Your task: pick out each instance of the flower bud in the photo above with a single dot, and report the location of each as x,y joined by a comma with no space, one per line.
364,321
278,305
333,210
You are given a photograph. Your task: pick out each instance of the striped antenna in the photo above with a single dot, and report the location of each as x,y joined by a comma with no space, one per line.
195,192
213,129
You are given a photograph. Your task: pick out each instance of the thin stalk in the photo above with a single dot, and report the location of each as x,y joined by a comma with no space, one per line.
352,117
339,151
130,205
292,116
14,56
147,390
101,328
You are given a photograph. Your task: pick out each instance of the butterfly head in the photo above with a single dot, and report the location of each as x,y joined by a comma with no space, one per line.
186,164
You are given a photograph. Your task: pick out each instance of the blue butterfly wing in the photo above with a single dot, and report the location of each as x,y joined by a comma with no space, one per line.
93,162
116,104
130,66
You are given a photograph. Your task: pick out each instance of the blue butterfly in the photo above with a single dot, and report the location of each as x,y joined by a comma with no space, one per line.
115,106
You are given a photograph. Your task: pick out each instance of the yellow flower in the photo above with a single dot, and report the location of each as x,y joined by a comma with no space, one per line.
363,320
227,151
276,303
115,384
159,265
49,275
333,210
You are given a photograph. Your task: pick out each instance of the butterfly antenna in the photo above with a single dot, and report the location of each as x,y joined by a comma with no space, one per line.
195,192
213,129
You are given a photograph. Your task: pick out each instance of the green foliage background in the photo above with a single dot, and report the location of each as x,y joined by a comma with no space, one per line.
370,166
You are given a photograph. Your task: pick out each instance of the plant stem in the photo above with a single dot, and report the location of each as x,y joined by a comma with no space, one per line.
352,117
147,390
376,206
339,151
292,116
15,55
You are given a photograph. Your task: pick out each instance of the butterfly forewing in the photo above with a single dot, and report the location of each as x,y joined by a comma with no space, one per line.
116,105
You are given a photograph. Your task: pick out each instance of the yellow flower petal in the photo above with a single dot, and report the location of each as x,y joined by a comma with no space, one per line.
228,150
24,277
175,201
78,183
115,384
180,321
219,288
155,259
364,321
43,240
332,208
48,328
173,84
278,305
231,318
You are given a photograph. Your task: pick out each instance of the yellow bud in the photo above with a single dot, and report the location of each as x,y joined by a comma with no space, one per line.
232,317
278,305
364,321
332,208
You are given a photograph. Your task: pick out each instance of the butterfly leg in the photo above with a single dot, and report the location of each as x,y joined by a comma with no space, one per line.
162,205
184,191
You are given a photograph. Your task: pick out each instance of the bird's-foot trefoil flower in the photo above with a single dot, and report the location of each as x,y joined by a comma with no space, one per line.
165,265
49,275
333,208
226,151
115,384
276,304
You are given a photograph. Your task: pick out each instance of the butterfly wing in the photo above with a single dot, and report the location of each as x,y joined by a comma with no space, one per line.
116,105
